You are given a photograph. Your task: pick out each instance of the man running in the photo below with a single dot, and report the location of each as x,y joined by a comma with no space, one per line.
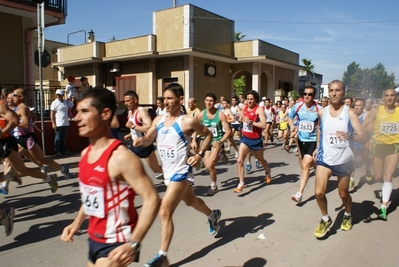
334,154
26,137
254,122
270,114
307,120
174,131
139,121
109,178
383,122
215,120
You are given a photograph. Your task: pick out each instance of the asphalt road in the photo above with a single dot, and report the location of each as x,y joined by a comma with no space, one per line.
260,227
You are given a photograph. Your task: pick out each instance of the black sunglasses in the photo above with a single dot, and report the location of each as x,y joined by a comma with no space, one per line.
308,94
16,95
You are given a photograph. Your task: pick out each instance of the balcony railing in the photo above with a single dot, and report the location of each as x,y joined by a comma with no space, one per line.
59,6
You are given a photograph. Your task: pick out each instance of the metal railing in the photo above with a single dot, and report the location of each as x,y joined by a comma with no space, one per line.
55,5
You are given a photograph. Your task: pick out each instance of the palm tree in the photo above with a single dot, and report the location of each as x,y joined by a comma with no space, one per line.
238,36
308,64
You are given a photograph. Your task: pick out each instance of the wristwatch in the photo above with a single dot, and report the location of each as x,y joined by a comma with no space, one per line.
201,153
136,246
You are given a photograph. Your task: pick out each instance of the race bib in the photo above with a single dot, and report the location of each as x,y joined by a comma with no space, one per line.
389,128
167,153
334,141
92,200
305,126
213,130
247,127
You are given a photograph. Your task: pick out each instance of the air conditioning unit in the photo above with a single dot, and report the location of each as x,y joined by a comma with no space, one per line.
113,67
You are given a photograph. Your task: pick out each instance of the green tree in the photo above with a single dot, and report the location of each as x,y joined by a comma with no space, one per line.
238,36
294,94
371,81
239,85
308,64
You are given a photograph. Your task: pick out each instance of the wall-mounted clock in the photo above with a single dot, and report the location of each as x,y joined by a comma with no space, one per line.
210,70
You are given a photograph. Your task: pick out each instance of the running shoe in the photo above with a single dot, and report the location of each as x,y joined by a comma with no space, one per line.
257,164
248,167
346,224
239,188
383,214
296,149
227,150
267,177
66,172
287,148
351,183
323,227
158,261
369,177
53,183
8,220
214,221
3,190
212,190
297,198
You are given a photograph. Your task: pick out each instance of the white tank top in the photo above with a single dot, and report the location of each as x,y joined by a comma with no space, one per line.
173,148
333,151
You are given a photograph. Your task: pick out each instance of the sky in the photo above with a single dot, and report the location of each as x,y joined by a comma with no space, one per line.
332,34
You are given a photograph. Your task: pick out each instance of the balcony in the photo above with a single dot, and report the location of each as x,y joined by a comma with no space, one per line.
55,10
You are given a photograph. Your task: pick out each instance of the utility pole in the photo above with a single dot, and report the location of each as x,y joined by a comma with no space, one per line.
40,48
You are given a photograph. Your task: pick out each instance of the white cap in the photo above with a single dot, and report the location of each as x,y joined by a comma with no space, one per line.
59,92
112,90
264,98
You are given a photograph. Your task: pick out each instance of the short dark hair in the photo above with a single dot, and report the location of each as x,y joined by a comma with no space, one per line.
131,93
310,87
254,93
211,95
160,98
101,99
348,97
176,88
83,78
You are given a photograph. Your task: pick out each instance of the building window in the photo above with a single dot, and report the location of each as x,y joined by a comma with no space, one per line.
123,84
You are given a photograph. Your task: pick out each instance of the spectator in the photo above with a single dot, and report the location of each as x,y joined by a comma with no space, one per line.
59,120
84,84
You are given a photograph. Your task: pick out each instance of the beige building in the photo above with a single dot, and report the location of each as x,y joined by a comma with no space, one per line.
189,45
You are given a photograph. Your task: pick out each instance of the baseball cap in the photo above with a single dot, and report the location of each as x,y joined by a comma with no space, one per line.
59,92
71,78
264,98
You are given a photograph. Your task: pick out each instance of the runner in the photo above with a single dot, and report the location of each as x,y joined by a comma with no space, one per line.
215,120
254,121
236,125
139,121
334,154
173,132
305,113
383,122
283,127
109,178
230,119
270,114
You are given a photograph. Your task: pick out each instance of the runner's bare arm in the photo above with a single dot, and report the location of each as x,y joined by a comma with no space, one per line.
10,116
226,127
369,120
145,117
150,135
262,119
70,230
24,114
360,135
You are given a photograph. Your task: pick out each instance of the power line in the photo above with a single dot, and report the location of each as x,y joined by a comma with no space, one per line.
304,22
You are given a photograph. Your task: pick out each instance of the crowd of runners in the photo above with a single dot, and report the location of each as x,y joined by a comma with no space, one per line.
330,135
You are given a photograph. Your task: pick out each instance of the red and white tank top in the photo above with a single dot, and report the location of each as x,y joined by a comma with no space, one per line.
109,203
248,130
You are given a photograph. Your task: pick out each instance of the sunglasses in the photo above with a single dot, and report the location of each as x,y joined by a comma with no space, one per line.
16,95
308,94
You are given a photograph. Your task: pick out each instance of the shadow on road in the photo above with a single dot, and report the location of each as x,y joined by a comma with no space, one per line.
230,230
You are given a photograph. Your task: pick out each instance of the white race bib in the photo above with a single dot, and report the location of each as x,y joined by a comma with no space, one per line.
167,153
213,130
334,141
306,126
247,127
389,128
92,200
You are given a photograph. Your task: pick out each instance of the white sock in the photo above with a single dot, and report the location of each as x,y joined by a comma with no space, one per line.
347,214
298,194
213,184
164,253
386,191
325,218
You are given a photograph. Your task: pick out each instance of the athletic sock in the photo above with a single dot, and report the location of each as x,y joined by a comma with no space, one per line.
213,184
163,253
386,191
347,214
325,218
